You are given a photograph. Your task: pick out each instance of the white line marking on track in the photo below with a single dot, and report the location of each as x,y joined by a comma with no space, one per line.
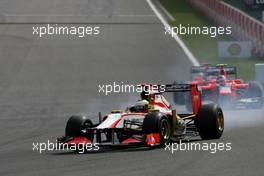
188,53
166,12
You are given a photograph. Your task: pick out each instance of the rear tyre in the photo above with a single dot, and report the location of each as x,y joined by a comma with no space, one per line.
76,124
210,122
158,123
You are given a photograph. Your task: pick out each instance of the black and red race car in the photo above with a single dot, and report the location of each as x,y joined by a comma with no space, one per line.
151,122
220,84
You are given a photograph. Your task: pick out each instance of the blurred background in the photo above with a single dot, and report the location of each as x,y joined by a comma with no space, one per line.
244,48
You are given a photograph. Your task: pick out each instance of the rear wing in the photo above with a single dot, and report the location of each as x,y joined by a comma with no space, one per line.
199,69
175,88
227,70
195,93
210,70
161,88
203,70
230,70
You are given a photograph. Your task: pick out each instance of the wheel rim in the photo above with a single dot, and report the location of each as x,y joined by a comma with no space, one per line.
220,121
165,129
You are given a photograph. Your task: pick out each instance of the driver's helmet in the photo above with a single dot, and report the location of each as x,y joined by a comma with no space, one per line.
141,106
144,95
220,80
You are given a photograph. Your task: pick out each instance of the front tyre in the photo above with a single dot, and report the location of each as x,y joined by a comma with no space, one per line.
76,124
158,123
164,130
210,121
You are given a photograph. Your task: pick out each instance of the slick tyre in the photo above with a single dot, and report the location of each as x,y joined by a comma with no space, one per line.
158,123
210,122
76,124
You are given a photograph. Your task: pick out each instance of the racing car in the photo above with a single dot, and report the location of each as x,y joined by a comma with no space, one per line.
150,122
220,84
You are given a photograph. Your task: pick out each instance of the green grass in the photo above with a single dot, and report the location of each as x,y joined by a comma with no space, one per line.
204,47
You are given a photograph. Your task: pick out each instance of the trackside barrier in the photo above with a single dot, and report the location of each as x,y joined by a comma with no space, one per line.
244,27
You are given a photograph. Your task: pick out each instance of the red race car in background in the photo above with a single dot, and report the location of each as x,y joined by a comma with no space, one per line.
220,84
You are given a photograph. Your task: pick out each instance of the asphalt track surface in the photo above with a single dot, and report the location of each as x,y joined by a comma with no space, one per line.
44,81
